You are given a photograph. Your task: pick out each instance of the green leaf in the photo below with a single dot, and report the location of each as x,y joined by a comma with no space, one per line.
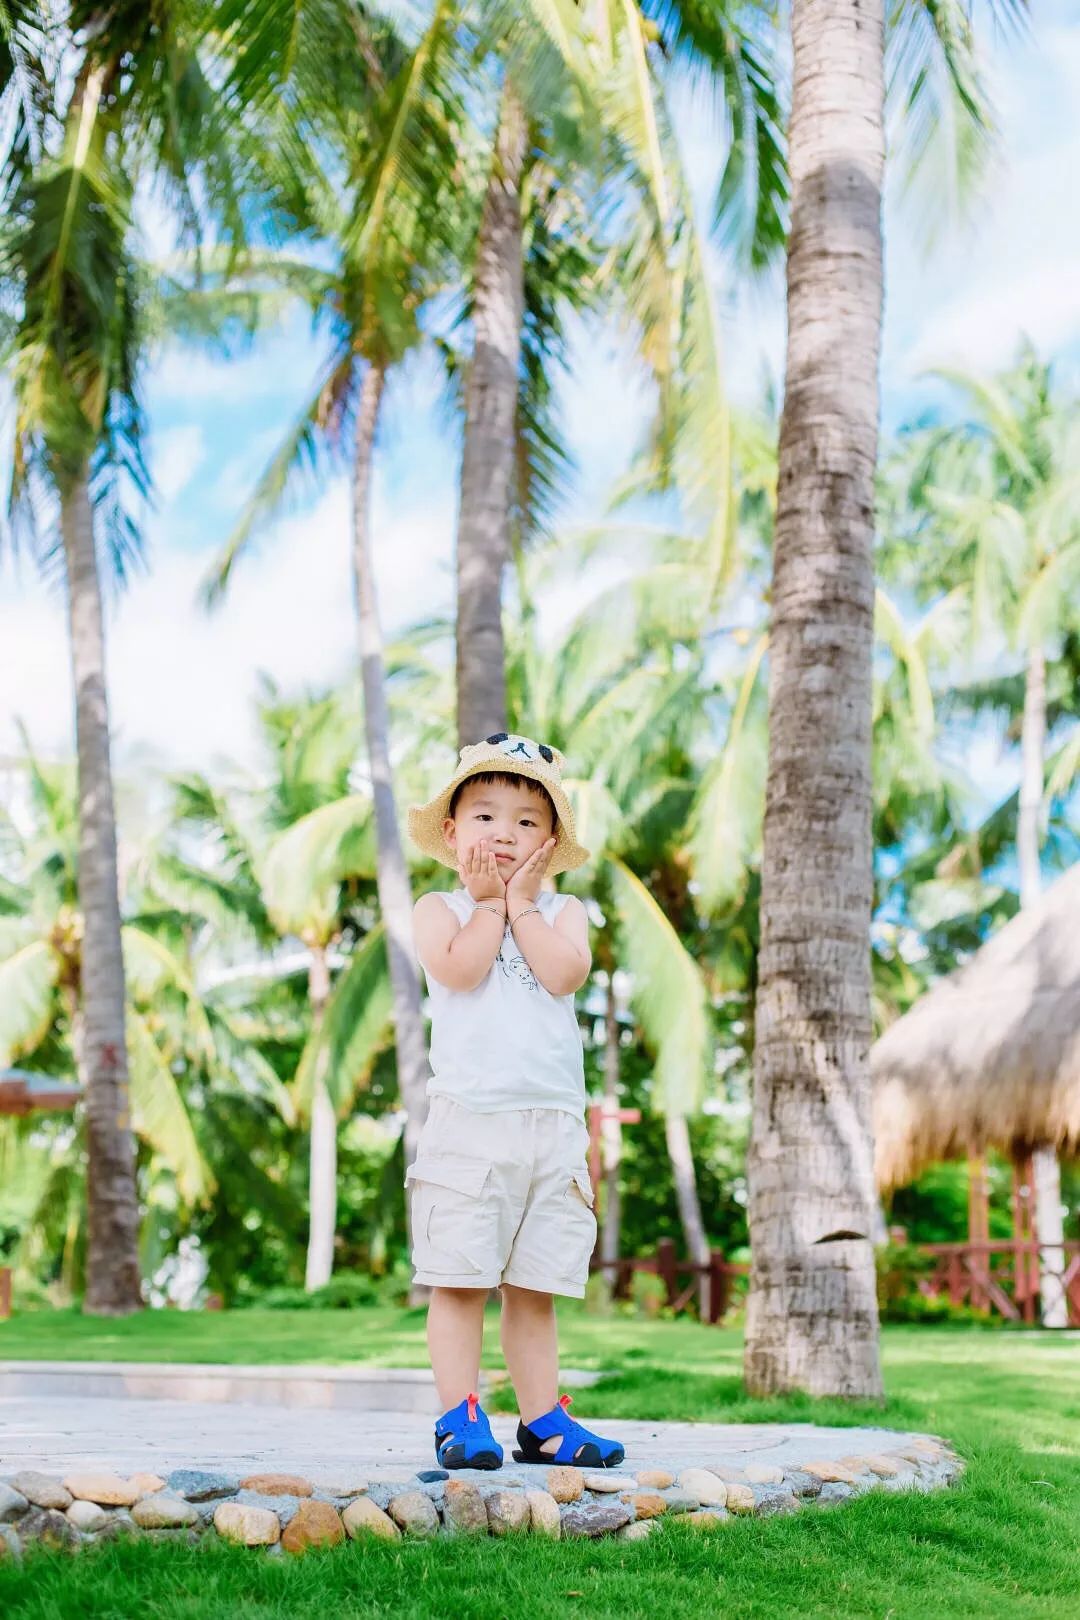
158,1113
668,994
313,855
354,1030
27,980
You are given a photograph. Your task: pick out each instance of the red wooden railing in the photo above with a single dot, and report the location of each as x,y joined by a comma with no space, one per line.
712,1283
1002,1278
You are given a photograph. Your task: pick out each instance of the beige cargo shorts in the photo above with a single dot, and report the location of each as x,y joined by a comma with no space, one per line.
502,1198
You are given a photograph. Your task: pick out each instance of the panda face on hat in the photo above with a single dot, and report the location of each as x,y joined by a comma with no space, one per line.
515,747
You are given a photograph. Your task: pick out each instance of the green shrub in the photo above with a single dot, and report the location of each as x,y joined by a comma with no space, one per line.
344,1292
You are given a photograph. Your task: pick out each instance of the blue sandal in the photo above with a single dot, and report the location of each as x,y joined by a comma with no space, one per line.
578,1445
463,1438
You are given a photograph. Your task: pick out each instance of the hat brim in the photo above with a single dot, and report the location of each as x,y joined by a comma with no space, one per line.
426,820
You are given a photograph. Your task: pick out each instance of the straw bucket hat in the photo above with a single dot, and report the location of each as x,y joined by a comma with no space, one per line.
510,755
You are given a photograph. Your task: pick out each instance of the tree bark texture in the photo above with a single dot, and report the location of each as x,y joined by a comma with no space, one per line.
1049,1220
322,1164
611,1138
112,1258
677,1134
487,466
812,1318
392,874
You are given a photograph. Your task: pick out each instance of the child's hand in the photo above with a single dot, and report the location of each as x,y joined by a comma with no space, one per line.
479,872
524,886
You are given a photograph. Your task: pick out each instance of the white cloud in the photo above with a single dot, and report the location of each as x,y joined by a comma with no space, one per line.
175,458
181,682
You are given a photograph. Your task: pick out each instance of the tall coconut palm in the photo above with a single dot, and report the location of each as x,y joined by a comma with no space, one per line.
812,1314
389,231
74,354
999,499
43,943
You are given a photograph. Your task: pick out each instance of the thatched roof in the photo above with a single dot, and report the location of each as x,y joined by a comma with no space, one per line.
990,1056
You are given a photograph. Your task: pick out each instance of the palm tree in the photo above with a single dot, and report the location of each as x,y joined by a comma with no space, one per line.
390,231
74,351
314,849
997,497
812,1313
43,942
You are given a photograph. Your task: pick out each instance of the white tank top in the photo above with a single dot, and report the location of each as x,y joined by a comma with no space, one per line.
509,1043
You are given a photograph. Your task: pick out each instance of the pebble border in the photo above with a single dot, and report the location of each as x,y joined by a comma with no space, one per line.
286,1513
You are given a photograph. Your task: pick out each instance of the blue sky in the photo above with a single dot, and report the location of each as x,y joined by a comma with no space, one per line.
182,684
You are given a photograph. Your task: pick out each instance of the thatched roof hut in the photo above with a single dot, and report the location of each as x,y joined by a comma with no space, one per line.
990,1056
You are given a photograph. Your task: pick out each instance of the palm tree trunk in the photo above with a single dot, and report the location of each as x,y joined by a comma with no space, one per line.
677,1133
322,1164
392,875
487,464
112,1257
812,1318
1049,1220
611,1140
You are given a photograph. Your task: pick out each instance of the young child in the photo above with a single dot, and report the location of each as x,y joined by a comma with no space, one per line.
500,1185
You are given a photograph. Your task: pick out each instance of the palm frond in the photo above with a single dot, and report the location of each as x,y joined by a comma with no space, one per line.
27,979
313,855
296,460
158,1113
667,993
355,1028
726,815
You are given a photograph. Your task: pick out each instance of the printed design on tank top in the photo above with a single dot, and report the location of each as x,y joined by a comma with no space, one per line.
513,965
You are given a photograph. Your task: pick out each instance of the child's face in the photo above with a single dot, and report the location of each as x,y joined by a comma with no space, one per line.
516,821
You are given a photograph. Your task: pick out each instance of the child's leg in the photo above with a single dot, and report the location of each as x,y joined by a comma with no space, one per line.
531,1346
455,1335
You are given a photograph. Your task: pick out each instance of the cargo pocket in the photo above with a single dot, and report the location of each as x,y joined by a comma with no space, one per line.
580,1226
453,1223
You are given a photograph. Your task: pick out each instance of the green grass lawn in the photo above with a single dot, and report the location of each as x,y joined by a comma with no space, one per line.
1005,1543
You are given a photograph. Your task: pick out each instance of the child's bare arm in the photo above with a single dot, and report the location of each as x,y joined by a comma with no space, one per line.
558,953
459,957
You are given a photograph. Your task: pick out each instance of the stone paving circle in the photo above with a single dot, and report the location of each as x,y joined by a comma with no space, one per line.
75,1471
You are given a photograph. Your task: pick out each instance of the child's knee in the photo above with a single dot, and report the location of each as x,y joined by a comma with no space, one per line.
526,1299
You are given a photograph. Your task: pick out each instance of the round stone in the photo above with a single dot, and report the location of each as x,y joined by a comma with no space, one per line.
147,1484
646,1504
107,1490
362,1517
12,1503
315,1524
764,1474
87,1517
160,1512
707,1518
415,1513
638,1531
41,1489
277,1485
507,1511
655,1479
703,1483
829,1472
250,1526
544,1514
49,1527
200,1484
464,1509
740,1499
565,1484
606,1484
595,1518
